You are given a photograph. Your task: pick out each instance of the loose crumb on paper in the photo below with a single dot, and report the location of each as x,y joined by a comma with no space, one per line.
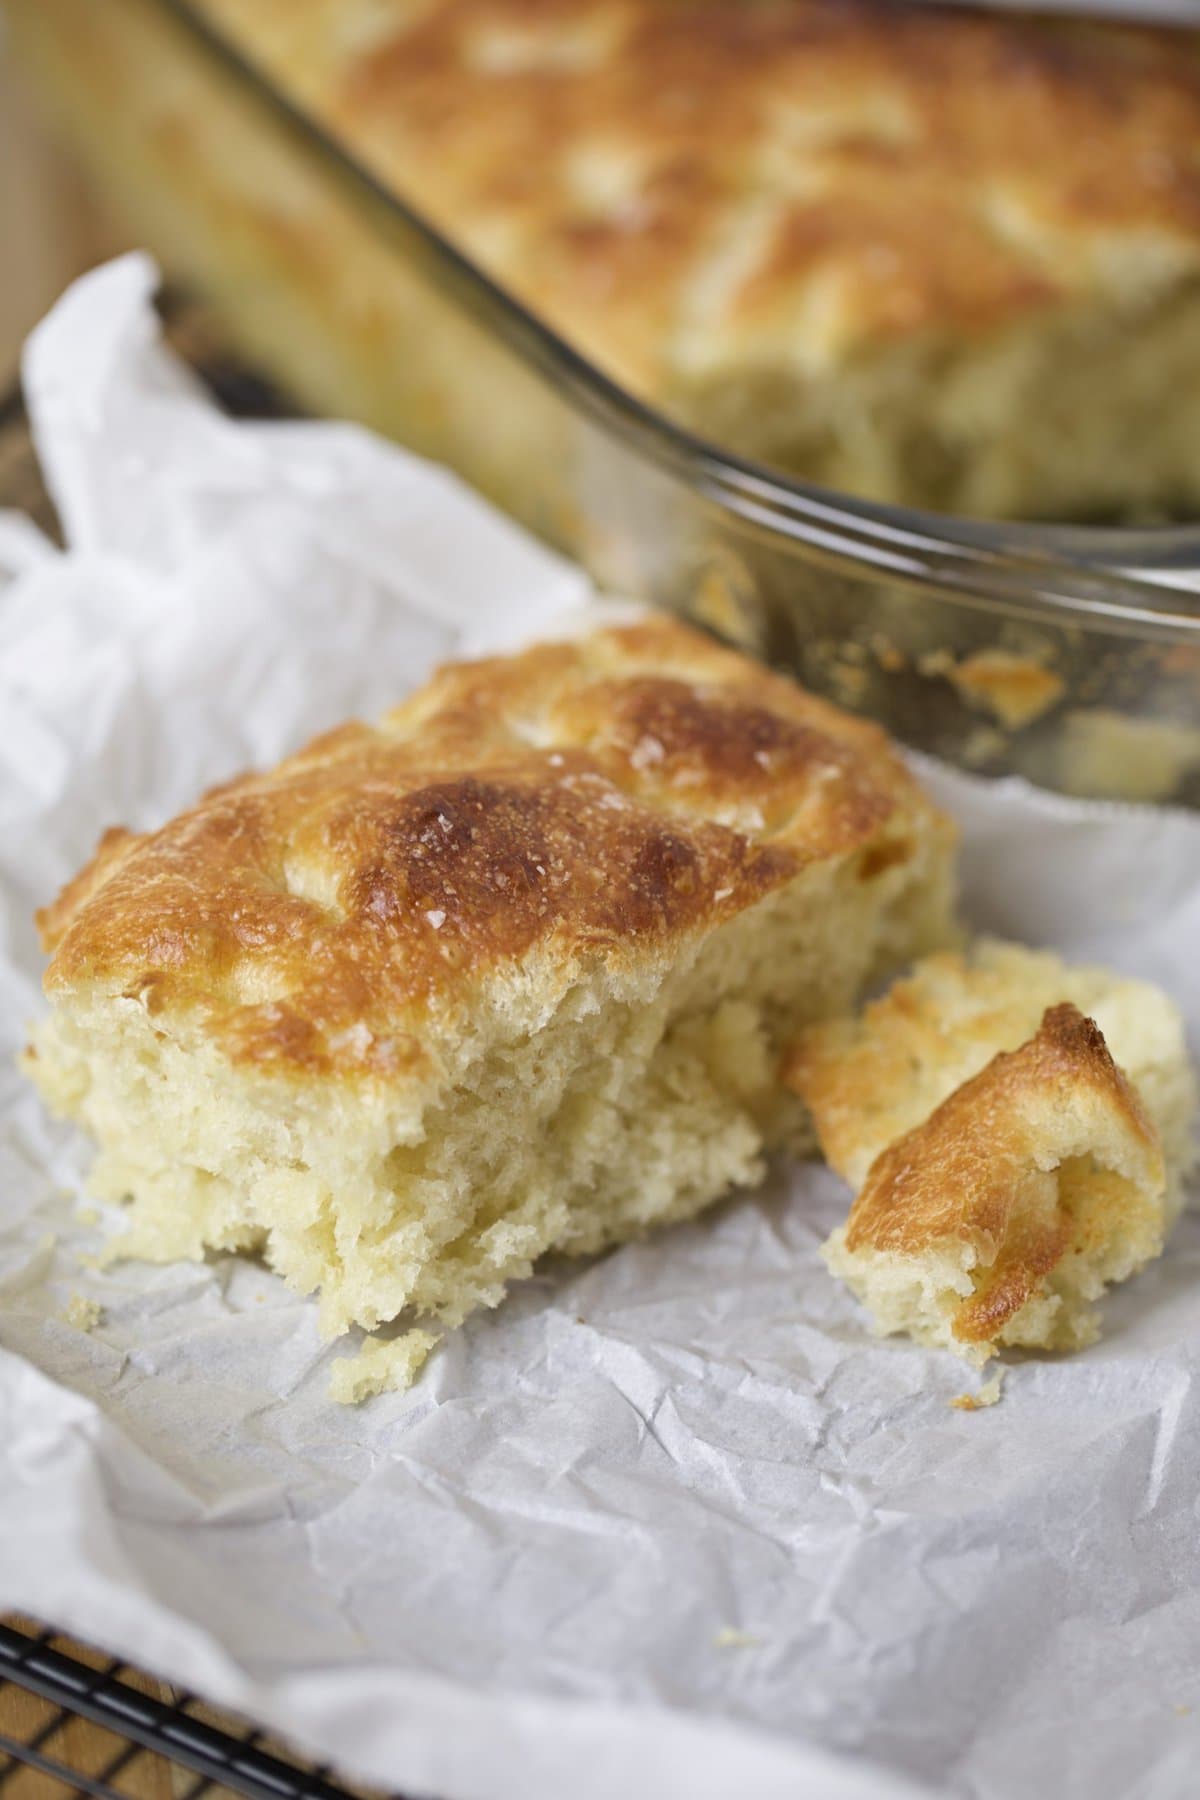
82,1313
383,1365
729,1638
987,1395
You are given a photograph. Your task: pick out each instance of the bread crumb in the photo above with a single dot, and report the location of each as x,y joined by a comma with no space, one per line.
848,681
1118,758
987,1395
87,1215
1014,689
981,745
383,1365
890,659
729,1638
82,1313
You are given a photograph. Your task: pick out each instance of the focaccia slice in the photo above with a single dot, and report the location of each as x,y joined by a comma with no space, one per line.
509,972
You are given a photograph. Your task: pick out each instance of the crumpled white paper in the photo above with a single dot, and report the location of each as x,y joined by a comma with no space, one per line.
667,1523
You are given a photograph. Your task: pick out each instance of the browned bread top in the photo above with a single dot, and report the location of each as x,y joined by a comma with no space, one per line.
685,185
601,799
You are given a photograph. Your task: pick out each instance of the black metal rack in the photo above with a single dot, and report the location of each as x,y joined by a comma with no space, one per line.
139,1725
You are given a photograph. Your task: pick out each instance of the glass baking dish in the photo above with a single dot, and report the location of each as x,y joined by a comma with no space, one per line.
1062,654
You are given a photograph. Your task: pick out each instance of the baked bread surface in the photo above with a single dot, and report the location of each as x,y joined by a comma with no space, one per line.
509,971
870,1079
937,256
603,798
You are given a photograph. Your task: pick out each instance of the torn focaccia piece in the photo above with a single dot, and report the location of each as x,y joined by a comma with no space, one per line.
1009,1168
510,971
1002,1217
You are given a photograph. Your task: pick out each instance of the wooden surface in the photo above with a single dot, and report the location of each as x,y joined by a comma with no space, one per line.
51,227
84,1747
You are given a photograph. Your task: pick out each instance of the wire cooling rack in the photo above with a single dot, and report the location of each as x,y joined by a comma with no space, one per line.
73,1721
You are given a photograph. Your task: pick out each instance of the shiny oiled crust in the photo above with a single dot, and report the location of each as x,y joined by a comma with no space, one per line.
679,185
607,796
962,1175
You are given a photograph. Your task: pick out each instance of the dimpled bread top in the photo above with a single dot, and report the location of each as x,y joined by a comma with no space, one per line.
680,185
606,797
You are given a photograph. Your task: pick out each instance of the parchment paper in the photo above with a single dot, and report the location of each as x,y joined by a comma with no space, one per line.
667,1523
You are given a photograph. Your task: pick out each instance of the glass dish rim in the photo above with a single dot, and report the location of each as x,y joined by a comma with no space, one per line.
1115,579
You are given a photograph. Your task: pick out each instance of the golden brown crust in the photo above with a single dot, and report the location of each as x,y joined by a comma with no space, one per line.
605,797
868,1079
680,184
52,920
964,1176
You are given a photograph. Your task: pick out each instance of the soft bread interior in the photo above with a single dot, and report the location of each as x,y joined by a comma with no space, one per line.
647,1091
1117,1230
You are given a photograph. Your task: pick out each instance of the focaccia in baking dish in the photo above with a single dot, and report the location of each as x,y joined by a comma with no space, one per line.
929,255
